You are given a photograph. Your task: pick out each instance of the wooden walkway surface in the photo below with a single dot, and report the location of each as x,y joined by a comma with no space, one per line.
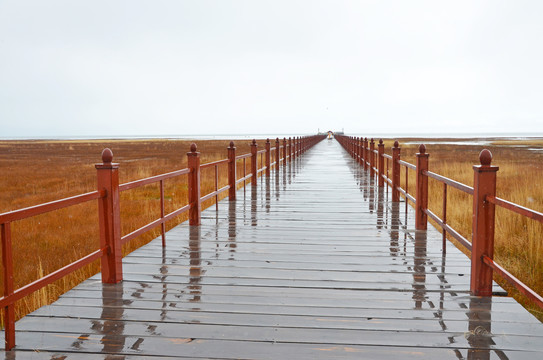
316,264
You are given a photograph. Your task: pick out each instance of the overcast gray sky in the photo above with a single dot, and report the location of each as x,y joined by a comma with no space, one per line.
227,67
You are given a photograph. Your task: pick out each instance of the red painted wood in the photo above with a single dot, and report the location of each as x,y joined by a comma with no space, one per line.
381,163
277,153
254,163
396,172
232,171
372,156
110,218
7,262
285,151
195,210
365,151
268,157
421,220
484,185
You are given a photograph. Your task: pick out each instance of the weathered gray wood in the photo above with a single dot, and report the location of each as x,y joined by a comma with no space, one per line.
317,264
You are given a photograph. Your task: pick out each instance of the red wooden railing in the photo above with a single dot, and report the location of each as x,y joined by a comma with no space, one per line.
108,196
484,202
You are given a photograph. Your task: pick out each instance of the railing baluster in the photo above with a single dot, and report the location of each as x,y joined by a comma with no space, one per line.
444,218
162,213
216,187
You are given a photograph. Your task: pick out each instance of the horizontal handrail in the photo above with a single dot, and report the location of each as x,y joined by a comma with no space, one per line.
244,178
239,157
407,195
153,224
214,163
521,210
519,285
408,165
150,180
455,184
387,156
455,234
31,211
50,278
215,193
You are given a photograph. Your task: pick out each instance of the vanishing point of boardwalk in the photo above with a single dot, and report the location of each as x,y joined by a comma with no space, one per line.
317,263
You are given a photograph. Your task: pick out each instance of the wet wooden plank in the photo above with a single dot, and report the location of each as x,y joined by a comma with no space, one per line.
316,264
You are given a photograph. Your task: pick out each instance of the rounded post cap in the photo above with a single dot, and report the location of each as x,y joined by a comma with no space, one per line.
107,156
371,140
485,157
365,139
396,144
422,149
267,140
231,144
193,147
277,139
254,142
380,141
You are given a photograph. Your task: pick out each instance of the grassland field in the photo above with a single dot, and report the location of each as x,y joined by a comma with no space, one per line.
35,172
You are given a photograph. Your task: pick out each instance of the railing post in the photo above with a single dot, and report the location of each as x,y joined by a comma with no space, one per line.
365,151
284,151
290,148
396,172
360,153
355,148
277,154
268,157
421,219
110,219
254,163
9,310
484,186
195,207
372,157
232,172
381,163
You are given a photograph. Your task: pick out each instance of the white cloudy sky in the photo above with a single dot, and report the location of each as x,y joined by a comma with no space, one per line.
134,67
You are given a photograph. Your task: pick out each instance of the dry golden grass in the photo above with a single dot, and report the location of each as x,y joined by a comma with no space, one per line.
41,171
35,172
518,240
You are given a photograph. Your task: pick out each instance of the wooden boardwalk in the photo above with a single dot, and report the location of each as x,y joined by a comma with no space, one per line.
316,264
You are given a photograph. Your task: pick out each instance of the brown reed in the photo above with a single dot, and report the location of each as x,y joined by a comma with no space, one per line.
40,171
